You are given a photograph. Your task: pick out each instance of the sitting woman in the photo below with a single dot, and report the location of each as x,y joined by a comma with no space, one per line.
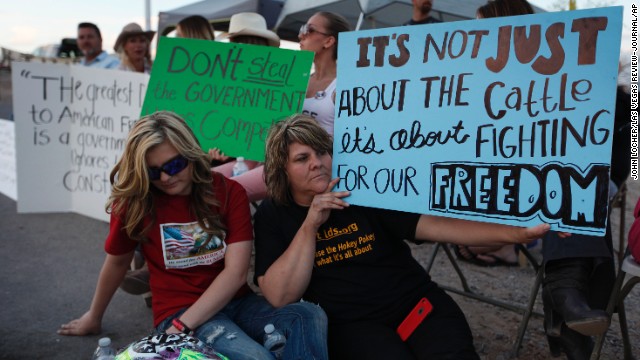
352,260
195,229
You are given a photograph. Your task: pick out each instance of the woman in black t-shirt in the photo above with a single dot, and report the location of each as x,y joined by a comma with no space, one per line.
352,260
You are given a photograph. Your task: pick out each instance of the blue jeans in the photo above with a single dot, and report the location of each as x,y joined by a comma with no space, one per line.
237,330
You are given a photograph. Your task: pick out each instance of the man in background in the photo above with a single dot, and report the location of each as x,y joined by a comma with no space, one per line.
421,10
90,43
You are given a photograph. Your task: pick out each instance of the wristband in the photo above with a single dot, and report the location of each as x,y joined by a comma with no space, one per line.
182,327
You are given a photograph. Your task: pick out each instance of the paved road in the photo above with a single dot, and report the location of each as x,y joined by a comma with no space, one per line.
49,264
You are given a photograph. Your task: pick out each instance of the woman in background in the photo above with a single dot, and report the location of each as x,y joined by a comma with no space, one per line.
195,27
320,35
246,28
133,47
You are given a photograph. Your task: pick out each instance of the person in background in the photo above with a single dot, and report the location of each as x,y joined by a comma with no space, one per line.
246,28
195,27
421,13
195,230
90,43
303,231
134,47
500,255
578,270
320,35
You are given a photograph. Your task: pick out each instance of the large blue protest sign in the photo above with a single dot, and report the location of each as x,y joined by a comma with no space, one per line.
502,120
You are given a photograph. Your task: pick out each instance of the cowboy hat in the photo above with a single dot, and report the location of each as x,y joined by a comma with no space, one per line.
131,29
250,24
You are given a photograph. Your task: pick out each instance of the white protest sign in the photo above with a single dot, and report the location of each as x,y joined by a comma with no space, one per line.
71,127
8,159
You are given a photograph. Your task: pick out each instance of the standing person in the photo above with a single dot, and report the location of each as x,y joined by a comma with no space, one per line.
90,43
246,28
134,47
195,27
421,13
302,234
196,236
320,35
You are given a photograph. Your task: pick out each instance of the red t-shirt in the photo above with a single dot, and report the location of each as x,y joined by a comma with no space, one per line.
182,263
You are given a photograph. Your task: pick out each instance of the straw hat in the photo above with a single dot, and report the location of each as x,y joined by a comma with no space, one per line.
250,24
129,30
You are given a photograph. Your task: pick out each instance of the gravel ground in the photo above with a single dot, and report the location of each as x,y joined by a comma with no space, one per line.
495,328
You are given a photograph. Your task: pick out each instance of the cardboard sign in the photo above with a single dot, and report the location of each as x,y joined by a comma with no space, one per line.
229,94
503,120
71,127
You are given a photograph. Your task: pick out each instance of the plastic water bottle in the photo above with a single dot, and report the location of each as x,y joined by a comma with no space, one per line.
104,351
240,166
274,341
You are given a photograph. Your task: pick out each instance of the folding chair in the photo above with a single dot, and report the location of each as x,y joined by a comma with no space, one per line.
619,200
630,267
526,310
626,266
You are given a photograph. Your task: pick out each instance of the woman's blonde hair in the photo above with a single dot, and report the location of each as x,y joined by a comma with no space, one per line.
298,128
132,194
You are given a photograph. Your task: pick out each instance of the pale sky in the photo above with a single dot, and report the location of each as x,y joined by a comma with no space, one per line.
27,24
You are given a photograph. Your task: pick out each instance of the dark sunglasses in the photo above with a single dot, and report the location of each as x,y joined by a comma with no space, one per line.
171,167
306,30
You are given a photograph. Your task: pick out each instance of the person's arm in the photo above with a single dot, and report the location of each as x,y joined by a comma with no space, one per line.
113,271
288,277
466,232
222,289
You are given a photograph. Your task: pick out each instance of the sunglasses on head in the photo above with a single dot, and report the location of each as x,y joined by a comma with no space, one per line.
171,167
306,29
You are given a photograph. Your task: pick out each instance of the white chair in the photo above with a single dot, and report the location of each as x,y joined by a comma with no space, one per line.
620,291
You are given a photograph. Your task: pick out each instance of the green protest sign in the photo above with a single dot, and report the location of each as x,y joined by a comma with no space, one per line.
229,94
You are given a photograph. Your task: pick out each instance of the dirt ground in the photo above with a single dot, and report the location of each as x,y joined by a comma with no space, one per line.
495,328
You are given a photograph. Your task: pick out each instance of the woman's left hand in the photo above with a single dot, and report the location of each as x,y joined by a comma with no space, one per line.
322,204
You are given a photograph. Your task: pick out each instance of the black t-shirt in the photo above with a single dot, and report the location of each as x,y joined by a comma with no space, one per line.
363,269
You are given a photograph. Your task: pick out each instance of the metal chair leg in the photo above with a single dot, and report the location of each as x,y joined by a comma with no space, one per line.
525,310
528,311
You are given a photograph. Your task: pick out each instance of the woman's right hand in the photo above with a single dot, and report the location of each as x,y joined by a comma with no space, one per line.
322,204
85,325
216,155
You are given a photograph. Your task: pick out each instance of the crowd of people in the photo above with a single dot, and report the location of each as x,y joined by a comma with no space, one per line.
166,189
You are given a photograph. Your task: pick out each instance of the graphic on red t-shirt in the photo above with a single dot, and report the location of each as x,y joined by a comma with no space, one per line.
186,245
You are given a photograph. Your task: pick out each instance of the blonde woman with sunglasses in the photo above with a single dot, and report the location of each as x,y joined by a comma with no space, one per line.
320,35
196,234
